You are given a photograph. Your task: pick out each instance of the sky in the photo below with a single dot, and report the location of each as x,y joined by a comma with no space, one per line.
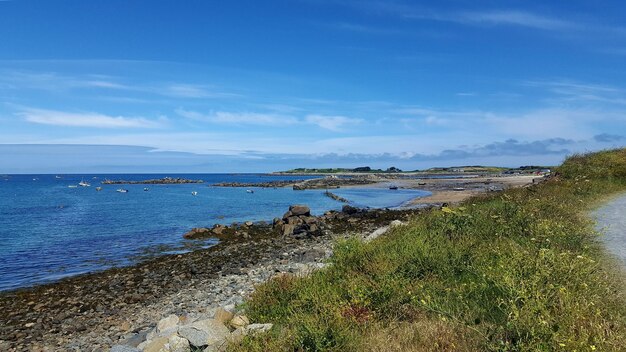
247,86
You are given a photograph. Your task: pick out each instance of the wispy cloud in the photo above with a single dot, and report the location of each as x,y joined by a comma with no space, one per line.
512,18
332,123
577,92
86,119
192,91
248,118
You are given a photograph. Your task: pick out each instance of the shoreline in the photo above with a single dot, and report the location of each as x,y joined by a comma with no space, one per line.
99,309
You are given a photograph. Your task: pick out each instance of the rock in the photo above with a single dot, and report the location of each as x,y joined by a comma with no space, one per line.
288,229
300,210
124,348
167,323
237,336
313,228
125,326
197,232
248,223
136,339
350,210
218,229
396,223
223,316
239,321
258,328
294,221
377,233
204,332
309,220
178,344
156,345
287,215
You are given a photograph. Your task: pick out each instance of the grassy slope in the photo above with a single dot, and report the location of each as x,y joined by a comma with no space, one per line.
519,271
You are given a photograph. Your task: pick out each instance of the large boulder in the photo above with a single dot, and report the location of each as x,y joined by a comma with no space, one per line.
350,210
197,232
204,332
300,210
178,344
167,323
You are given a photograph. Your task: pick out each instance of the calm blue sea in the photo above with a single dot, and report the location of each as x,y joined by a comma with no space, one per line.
49,231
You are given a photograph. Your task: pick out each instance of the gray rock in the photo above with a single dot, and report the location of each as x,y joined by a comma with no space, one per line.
288,229
156,345
204,332
135,339
167,323
258,328
124,348
396,223
298,210
178,344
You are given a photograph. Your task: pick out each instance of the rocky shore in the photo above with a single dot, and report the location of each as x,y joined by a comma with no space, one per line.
159,181
122,306
315,183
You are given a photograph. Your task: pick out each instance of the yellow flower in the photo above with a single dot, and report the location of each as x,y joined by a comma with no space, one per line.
593,347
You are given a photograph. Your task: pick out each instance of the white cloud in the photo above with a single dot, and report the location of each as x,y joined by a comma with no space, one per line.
332,123
249,118
85,119
192,91
516,18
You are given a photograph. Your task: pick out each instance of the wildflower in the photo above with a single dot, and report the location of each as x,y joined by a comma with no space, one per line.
593,347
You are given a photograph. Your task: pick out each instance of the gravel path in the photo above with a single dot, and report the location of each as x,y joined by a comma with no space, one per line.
611,221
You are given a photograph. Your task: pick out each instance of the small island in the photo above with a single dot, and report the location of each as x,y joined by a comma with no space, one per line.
158,181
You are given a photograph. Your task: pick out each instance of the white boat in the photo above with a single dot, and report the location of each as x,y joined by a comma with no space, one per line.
194,193
82,183
57,177
122,190
249,191
72,186
145,189
98,188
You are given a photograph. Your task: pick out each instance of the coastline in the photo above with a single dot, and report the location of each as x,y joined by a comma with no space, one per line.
96,310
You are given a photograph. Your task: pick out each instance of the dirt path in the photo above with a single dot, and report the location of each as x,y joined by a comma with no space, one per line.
611,221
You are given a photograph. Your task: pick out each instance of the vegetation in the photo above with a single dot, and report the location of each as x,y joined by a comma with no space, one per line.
518,271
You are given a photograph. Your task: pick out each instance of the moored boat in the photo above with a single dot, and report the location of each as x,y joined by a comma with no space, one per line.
122,190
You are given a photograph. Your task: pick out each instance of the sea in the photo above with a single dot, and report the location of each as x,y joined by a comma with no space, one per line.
50,229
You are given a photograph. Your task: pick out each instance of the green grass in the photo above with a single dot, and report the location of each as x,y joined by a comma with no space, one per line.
518,271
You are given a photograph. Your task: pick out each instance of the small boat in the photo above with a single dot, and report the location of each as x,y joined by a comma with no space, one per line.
421,183
394,187
458,189
145,189
98,189
82,183
122,190
194,193
249,191
57,177
72,186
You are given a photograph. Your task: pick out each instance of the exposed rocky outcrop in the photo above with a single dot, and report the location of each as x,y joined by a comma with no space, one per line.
206,332
160,181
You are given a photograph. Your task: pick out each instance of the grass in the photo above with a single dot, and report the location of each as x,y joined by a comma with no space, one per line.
518,271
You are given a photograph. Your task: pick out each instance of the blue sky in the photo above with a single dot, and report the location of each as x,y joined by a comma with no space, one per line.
198,86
